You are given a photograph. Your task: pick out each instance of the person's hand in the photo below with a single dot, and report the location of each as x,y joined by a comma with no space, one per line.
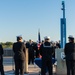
64,58
40,56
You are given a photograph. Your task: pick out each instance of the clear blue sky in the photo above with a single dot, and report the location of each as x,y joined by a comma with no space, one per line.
25,17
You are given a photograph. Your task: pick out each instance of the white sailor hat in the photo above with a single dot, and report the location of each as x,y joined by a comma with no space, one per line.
46,38
19,36
71,37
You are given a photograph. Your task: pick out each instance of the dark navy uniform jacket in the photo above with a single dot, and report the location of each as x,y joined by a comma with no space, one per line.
19,49
70,51
1,52
46,50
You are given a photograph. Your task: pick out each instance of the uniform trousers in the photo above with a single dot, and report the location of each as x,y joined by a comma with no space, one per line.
31,58
19,67
1,66
46,66
70,67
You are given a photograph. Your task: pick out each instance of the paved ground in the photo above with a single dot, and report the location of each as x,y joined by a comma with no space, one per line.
32,69
9,67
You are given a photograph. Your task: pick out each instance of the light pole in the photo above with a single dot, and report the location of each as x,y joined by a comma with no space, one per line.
63,27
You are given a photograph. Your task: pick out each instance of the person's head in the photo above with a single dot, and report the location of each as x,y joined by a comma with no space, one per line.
30,41
71,38
47,39
42,41
19,38
53,44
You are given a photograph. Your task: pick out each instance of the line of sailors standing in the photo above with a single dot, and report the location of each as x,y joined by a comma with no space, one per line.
19,49
34,50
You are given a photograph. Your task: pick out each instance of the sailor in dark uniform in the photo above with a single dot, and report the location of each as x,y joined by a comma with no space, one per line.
19,49
70,56
31,52
46,51
1,60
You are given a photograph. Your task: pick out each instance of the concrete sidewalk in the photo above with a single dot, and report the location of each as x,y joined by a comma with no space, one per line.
32,69
8,63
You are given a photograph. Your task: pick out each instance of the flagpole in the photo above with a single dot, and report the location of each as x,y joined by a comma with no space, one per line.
39,38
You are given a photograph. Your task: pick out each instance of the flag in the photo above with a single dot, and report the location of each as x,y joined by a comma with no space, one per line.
39,38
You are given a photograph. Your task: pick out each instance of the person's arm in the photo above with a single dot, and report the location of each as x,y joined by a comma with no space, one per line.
13,48
24,48
1,48
41,50
65,49
1,51
53,50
